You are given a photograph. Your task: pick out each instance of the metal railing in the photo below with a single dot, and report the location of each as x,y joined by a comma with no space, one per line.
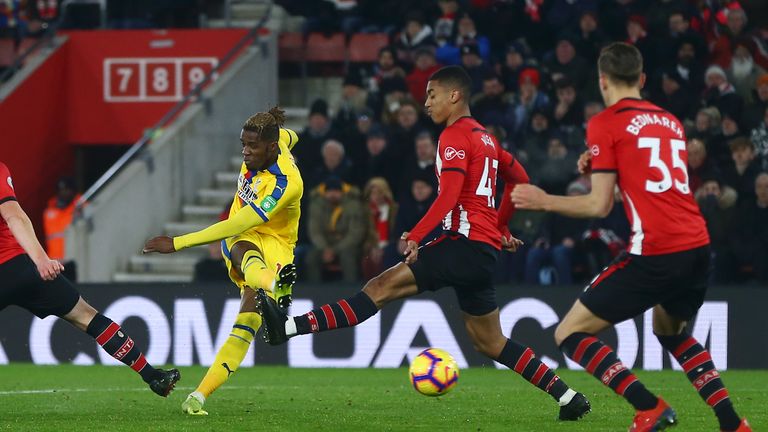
194,94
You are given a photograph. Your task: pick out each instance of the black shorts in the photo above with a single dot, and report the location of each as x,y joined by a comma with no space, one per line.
632,284
21,285
466,265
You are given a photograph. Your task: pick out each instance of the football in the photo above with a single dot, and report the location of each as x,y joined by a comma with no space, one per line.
434,372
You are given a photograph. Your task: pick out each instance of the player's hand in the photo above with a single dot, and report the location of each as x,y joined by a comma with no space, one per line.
529,197
161,244
585,162
509,242
411,252
49,269
402,243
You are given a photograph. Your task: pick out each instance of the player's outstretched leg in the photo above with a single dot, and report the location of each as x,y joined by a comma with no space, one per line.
697,364
229,356
601,362
278,326
521,359
113,339
484,328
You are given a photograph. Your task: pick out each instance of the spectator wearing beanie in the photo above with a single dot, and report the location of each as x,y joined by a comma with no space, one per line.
492,105
589,39
354,99
565,62
687,64
721,93
516,58
528,99
637,35
475,66
671,92
317,132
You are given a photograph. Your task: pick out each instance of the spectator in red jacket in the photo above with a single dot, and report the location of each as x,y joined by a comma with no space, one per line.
424,66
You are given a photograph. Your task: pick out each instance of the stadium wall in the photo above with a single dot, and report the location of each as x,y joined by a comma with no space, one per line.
184,325
33,132
93,88
150,190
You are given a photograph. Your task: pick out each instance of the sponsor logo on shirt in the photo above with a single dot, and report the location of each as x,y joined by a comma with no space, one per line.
268,204
486,140
10,182
451,153
595,150
244,190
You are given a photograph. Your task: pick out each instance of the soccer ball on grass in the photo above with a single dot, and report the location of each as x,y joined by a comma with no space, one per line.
433,372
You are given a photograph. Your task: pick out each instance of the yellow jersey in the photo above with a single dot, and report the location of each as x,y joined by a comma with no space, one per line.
266,202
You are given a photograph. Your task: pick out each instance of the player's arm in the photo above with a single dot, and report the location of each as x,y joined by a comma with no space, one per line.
289,137
451,181
455,151
21,228
513,174
246,218
597,203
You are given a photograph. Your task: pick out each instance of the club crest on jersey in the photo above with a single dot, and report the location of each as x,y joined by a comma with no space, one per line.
268,204
595,150
451,153
10,182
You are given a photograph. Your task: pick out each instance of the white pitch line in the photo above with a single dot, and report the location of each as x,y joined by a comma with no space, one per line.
124,389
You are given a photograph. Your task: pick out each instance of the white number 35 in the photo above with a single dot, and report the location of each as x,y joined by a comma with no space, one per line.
666,183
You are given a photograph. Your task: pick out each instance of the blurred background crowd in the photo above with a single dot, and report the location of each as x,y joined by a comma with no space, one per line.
368,160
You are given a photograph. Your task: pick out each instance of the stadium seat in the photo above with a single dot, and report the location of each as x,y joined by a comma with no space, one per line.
331,49
7,52
364,47
291,47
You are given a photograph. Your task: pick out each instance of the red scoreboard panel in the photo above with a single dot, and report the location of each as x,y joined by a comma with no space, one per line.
160,79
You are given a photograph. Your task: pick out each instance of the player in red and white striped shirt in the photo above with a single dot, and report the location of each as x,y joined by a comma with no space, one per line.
641,148
464,257
31,280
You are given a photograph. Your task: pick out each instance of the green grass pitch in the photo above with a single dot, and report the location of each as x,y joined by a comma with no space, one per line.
85,398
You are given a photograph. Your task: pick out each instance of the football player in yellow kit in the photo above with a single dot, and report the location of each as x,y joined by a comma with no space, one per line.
257,240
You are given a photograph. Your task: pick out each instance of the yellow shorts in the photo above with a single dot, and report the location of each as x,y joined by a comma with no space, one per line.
275,252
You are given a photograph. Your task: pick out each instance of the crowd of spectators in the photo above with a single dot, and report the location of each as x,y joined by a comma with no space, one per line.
371,157
368,161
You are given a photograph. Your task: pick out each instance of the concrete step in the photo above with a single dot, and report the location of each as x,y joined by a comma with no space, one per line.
162,264
296,112
200,213
236,163
152,277
227,179
219,197
174,229
249,10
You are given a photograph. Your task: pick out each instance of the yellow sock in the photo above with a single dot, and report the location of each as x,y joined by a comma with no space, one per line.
232,353
257,275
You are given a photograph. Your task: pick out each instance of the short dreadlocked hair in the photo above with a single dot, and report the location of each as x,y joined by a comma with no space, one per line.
266,124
